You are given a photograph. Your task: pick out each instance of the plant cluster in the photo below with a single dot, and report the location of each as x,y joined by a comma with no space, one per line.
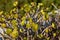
31,21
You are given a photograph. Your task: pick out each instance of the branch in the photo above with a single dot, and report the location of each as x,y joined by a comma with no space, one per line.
54,6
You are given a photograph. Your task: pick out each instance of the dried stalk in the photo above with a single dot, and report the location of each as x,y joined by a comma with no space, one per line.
27,35
54,6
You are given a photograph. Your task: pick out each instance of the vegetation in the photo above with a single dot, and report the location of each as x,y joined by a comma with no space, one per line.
30,19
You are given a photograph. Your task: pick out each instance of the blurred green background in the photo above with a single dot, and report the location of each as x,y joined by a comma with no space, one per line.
6,5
